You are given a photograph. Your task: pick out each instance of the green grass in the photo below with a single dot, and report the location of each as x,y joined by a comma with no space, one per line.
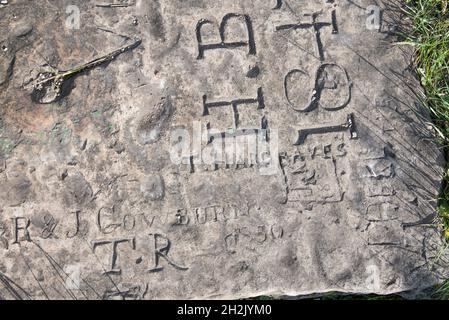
429,35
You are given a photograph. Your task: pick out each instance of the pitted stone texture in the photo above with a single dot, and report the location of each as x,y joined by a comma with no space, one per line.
92,205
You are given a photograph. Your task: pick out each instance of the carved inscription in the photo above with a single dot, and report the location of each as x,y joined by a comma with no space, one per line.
253,167
221,139
21,225
310,180
316,26
332,88
249,237
161,249
332,84
112,268
210,214
224,44
278,5
348,126
236,130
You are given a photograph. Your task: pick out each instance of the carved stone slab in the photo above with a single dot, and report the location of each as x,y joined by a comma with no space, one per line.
230,149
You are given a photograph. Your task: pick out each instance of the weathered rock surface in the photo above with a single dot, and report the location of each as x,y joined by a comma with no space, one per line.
328,181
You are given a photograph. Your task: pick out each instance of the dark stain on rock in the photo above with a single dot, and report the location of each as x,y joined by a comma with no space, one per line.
77,190
6,68
157,28
253,72
19,190
289,259
151,123
239,268
22,30
153,188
